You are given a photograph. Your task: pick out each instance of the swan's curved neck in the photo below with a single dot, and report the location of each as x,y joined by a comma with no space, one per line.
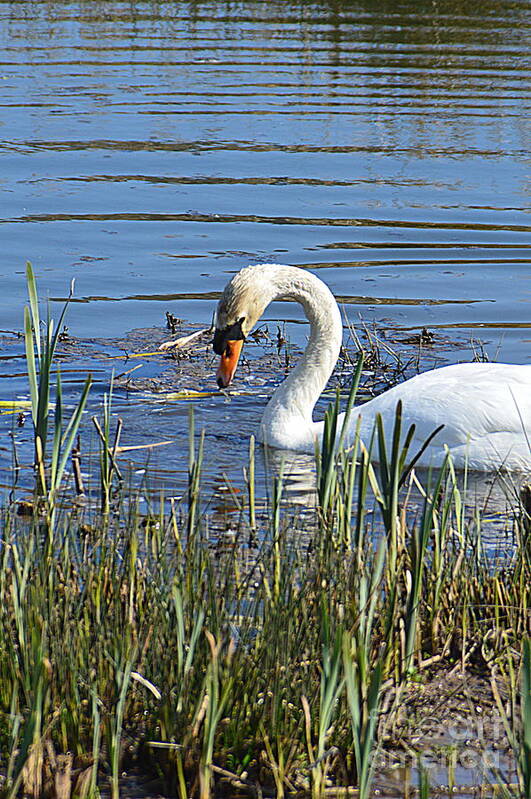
287,420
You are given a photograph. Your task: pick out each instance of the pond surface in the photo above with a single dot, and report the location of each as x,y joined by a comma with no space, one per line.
150,150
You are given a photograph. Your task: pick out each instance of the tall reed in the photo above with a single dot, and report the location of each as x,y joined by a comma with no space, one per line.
40,359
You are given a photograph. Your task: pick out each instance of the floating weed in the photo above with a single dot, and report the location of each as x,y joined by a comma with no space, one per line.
14,406
185,395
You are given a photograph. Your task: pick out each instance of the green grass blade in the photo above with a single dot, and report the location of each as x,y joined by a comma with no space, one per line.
525,749
350,402
397,432
58,424
53,338
34,306
32,370
421,451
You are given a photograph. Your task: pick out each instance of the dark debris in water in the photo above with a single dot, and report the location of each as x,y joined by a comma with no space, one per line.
389,356
268,356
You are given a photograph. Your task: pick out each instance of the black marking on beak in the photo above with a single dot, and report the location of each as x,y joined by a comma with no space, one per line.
231,333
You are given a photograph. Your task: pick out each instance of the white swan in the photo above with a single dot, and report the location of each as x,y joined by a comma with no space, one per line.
485,407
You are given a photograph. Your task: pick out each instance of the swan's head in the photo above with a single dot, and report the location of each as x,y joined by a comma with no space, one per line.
241,305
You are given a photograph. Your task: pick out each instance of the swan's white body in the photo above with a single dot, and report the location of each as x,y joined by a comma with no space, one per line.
485,407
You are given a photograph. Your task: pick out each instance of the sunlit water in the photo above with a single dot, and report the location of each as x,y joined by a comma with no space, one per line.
150,150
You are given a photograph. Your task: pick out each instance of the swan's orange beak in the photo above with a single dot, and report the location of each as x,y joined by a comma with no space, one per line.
228,362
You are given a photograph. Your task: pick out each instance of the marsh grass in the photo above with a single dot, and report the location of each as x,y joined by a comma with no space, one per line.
268,670
271,662
41,344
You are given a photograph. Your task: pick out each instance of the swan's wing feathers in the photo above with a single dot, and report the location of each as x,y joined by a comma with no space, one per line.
475,403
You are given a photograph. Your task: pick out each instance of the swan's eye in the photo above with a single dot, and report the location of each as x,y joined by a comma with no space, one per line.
222,338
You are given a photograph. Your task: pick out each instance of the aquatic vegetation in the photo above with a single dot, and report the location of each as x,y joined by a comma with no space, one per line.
266,658
271,657
40,354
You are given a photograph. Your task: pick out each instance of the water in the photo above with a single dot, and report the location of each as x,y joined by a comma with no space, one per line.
150,150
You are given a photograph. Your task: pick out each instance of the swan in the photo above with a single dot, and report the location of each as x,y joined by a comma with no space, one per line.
485,407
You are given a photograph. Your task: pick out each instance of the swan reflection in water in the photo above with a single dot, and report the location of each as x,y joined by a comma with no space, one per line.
491,501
